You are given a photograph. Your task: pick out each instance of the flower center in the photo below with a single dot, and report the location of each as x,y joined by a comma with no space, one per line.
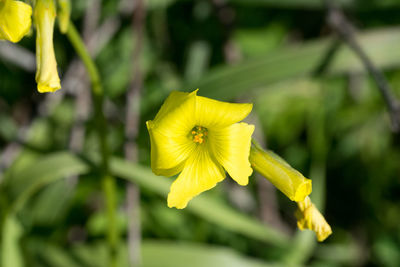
199,134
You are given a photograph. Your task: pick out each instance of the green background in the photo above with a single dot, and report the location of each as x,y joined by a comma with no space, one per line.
331,125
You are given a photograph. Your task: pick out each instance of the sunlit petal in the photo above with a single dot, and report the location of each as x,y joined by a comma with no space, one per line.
175,117
231,147
168,153
200,173
212,113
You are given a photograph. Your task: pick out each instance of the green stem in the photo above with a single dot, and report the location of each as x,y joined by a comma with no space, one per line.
108,182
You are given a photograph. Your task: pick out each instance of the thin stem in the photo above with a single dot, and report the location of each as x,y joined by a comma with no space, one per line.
108,182
82,52
131,133
345,30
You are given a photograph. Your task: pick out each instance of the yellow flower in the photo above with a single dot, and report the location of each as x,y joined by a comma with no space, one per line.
15,20
199,137
289,181
64,15
309,217
46,73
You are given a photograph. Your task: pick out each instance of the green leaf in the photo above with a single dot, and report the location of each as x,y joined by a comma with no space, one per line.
50,168
230,82
50,207
171,254
22,184
386,251
254,42
56,257
153,254
344,253
197,60
11,235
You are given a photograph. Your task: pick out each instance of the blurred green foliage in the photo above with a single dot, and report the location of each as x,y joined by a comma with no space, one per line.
332,126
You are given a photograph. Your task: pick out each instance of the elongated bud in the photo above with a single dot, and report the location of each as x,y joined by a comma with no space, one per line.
46,73
15,20
64,15
289,181
309,217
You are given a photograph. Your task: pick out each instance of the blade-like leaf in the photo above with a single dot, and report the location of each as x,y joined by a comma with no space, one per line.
10,248
59,165
229,82
171,254
47,169
154,254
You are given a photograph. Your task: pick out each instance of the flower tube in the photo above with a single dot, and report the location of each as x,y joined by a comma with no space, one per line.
46,73
289,181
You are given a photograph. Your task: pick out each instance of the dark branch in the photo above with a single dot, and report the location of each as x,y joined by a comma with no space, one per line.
327,58
346,30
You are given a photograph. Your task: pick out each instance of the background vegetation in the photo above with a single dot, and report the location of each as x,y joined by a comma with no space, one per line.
323,114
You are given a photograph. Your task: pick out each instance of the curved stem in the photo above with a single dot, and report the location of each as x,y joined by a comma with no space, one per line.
108,182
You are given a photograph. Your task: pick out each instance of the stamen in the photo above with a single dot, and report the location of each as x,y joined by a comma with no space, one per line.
198,134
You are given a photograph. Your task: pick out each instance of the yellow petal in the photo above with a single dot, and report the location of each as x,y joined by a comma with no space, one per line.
173,101
176,115
289,181
168,153
231,148
46,73
15,20
309,217
200,173
170,144
211,113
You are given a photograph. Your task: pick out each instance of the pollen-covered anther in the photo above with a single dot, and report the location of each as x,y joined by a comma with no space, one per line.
199,134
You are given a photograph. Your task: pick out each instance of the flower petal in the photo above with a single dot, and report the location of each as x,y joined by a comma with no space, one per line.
231,147
168,153
15,20
201,172
309,217
170,145
176,114
212,113
173,102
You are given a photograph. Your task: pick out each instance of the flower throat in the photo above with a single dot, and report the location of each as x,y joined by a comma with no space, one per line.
199,134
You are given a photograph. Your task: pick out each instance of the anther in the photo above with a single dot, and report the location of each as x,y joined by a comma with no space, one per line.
198,134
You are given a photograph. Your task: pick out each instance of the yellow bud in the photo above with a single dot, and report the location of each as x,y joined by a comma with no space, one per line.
46,73
289,181
15,20
64,15
309,217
